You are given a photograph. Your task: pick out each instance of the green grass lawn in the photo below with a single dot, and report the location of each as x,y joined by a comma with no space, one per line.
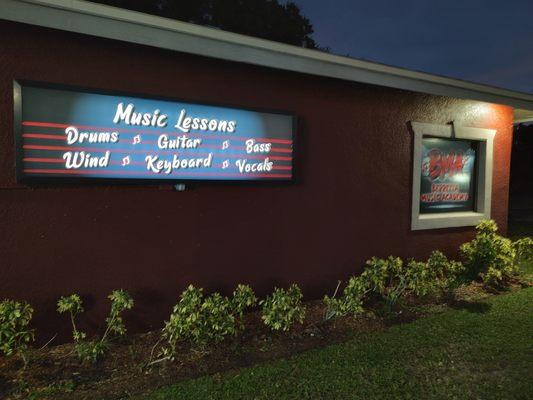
483,352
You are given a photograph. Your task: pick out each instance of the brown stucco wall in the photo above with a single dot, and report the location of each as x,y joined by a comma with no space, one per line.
351,200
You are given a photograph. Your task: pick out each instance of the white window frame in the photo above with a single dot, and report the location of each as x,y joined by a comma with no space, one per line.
485,138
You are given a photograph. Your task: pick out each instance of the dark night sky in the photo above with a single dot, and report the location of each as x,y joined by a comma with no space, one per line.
486,41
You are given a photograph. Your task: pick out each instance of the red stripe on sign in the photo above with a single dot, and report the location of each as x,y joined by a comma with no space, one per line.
46,160
43,136
151,142
273,150
60,161
128,151
149,132
124,172
44,124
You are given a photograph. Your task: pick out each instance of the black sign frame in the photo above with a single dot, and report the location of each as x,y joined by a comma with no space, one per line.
91,181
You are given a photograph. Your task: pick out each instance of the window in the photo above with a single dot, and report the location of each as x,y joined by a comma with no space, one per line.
452,175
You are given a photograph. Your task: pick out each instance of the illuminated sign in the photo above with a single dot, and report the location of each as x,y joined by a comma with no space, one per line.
447,181
76,134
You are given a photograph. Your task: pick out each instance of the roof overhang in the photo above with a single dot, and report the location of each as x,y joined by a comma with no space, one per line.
523,116
130,26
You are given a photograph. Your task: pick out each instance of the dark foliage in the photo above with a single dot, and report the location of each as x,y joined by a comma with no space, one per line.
522,162
267,19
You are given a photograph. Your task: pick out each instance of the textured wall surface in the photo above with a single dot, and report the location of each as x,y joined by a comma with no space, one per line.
351,200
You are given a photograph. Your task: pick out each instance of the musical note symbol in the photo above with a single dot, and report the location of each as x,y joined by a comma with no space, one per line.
125,161
225,164
225,144
137,139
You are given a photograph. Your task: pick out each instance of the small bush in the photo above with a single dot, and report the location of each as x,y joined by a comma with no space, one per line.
93,350
202,320
15,336
74,306
351,301
388,278
243,298
199,319
524,249
490,257
392,279
434,276
446,273
283,308
120,302
418,278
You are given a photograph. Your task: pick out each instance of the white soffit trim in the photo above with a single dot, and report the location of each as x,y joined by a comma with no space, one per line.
130,26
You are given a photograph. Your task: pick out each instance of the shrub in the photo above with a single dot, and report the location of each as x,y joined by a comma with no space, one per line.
386,277
184,321
94,349
490,257
351,301
120,301
202,320
283,308
243,298
74,306
198,319
419,278
524,249
434,276
446,273
90,351
15,336
391,279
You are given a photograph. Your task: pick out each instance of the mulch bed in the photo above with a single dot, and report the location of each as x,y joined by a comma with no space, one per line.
56,373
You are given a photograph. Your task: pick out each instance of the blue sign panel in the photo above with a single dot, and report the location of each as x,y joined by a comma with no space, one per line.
447,183
74,134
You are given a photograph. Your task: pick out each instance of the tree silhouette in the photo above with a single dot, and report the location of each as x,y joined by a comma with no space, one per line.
267,19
